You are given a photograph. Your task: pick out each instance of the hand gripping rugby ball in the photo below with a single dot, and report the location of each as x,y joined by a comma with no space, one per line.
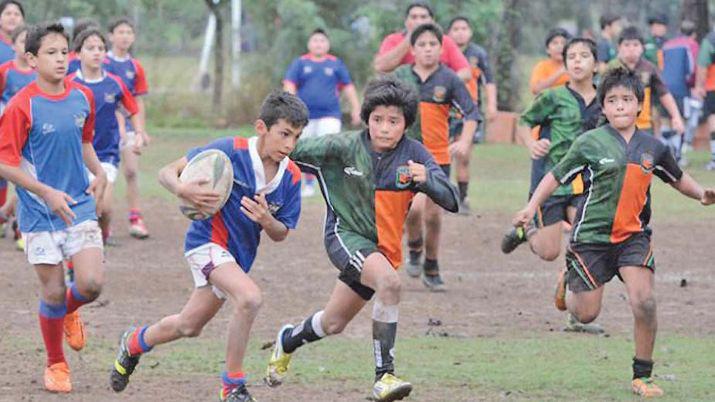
215,166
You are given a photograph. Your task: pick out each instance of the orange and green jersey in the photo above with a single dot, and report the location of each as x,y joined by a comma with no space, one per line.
481,70
368,193
617,177
545,69
442,90
652,84
706,60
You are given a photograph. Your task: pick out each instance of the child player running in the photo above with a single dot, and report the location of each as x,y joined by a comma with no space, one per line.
220,250
611,235
368,179
46,143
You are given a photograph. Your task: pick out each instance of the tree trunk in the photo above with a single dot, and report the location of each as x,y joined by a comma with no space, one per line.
506,50
697,11
217,98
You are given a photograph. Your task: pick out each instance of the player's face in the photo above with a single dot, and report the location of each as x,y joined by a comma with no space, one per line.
580,63
658,30
630,50
279,140
427,50
318,45
122,37
555,48
19,45
416,17
386,125
92,52
11,18
616,28
460,32
51,60
621,108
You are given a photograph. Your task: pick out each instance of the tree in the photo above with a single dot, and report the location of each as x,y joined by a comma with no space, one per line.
697,11
509,38
216,8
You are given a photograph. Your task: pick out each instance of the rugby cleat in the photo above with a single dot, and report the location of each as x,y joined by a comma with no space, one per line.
137,229
433,282
238,394
74,331
560,294
464,208
124,365
573,325
646,388
280,360
57,378
390,388
512,239
414,264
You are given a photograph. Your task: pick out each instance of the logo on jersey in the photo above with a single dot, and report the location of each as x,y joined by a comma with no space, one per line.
307,69
351,171
274,207
48,128
109,98
328,71
603,161
645,78
647,163
440,94
130,74
404,177
79,120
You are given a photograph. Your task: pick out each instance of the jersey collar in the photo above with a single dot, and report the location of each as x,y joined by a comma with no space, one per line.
79,75
260,175
114,57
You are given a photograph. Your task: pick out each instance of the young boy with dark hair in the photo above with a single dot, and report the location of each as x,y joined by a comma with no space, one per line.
551,72
121,63
611,25
12,15
611,236
439,90
109,91
45,150
81,25
368,179
220,250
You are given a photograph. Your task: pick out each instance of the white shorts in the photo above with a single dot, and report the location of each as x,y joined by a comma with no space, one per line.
203,259
54,247
321,127
128,140
110,170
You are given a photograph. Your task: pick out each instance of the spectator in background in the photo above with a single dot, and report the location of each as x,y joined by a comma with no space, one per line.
549,73
705,88
611,25
658,24
12,15
318,77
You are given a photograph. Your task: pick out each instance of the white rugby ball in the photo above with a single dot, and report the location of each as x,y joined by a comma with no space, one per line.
214,166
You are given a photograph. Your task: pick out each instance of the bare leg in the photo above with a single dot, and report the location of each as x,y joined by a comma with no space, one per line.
639,285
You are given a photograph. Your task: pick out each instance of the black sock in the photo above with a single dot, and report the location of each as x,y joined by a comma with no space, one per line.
304,333
463,190
415,250
431,267
642,368
384,331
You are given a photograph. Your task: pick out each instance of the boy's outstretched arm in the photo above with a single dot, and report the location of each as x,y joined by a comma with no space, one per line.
431,180
546,187
690,188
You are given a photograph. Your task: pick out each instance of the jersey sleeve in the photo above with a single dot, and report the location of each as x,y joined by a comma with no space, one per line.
437,186
3,77
390,42
603,51
657,84
573,163
289,212
127,99
140,85
293,72
455,58
537,74
312,153
705,52
15,129
666,167
88,129
222,144
463,100
343,75
485,66
540,110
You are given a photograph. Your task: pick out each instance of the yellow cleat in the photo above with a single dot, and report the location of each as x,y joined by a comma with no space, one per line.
57,378
74,331
280,361
20,244
390,388
646,388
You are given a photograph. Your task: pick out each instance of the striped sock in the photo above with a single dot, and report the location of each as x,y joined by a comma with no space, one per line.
3,192
137,345
74,299
134,215
230,381
52,317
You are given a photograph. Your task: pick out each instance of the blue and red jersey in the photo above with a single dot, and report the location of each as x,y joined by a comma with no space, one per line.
130,71
13,80
230,228
74,63
108,92
7,53
319,82
43,135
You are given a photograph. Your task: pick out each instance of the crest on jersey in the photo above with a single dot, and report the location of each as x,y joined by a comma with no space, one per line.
273,207
109,98
403,177
307,69
474,61
440,94
328,71
79,120
130,74
647,163
645,77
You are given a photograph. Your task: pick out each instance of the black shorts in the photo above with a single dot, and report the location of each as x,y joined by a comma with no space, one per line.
447,169
709,104
348,251
590,266
554,209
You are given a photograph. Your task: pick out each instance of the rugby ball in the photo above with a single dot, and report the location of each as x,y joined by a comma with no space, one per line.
214,166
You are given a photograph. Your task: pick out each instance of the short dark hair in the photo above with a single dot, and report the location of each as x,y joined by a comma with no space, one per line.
608,19
36,32
420,4
620,77
119,21
687,27
590,44
388,90
5,3
631,33
283,105
554,33
84,35
81,25
17,32
457,19
437,31
658,19
317,31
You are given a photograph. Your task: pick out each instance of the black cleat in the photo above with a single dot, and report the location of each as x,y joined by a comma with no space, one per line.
238,394
513,239
124,365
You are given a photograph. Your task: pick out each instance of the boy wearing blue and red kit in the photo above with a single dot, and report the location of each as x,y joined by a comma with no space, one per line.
12,15
45,149
121,63
109,91
220,250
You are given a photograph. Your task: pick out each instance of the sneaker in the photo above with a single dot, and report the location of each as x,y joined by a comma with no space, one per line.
513,239
57,378
74,331
645,387
710,166
238,394
390,388
280,360
574,325
414,264
124,365
464,208
308,191
560,294
137,229
433,282
20,244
